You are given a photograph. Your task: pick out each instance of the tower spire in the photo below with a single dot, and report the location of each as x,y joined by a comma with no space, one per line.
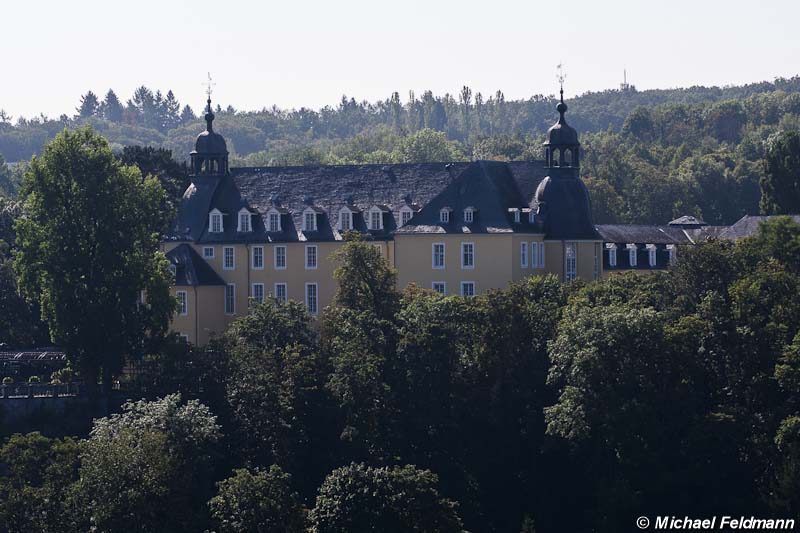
209,114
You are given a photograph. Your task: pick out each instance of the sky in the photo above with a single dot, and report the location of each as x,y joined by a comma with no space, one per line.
297,53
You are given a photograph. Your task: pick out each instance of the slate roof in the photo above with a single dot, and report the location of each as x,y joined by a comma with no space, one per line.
747,226
190,268
490,188
329,188
629,233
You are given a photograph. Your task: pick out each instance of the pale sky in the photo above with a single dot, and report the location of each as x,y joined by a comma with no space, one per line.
308,53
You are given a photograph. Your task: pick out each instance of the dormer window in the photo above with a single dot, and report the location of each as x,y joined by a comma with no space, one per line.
516,216
245,218
651,254
274,221
376,218
612,255
309,220
531,216
345,219
215,221
444,215
632,255
405,215
469,215
671,250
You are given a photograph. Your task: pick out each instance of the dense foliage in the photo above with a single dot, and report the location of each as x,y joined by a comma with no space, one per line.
676,392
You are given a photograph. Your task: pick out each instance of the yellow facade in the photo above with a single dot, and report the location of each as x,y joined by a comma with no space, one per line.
497,260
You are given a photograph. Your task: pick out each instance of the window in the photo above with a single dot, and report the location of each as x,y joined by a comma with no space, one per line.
651,255
439,286
375,220
516,216
671,250
244,221
258,292
467,288
612,256
311,257
444,216
208,252
311,298
310,221
280,292
280,258
597,252
467,255
571,254
274,222
531,217
405,215
537,254
345,220
523,254
258,257
437,252
468,215
215,222
183,306
228,259
184,338
632,259
230,299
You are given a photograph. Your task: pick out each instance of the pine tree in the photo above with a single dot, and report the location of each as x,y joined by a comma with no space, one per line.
171,111
90,105
112,108
187,115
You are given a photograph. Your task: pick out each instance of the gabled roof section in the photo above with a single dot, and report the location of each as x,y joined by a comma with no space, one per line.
747,226
487,186
191,269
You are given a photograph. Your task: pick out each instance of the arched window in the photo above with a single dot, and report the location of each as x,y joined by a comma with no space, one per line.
567,157
556,157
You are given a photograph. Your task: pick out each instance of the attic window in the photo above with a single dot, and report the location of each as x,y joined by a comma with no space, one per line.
651,253
345,220
444,216
244,221
215,221
632,255
469,215
612,255
405,215
671,250
516,216
309,221
375,219
274,222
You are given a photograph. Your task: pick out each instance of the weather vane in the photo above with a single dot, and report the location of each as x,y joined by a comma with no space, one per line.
209,86
561,76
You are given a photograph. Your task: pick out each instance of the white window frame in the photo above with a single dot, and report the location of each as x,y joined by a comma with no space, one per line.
255,265
652,256
275,256
673,252
207,255
633,255
464,247
285,297
433,256
345,214
253,291
523,254
245,221
570,261
183,302
232,309
465,283
373,213
313,215
225,258
598,255
215,214
184,337
469,215
406,211
274,215
612,256
516,216
443,292
444,216
541,262
315,309
309,266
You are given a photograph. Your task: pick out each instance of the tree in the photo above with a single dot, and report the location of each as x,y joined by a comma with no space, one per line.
362,498
187,115
147,469
90,105
607,206
79,197
426,146
112,108
35,486
158,162
261,501
780,185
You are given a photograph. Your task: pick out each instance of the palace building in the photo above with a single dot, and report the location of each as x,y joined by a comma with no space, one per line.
245,234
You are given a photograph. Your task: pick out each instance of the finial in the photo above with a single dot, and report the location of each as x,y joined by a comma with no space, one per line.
561,107
209,114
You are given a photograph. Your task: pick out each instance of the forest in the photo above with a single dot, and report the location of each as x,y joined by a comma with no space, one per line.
649,156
